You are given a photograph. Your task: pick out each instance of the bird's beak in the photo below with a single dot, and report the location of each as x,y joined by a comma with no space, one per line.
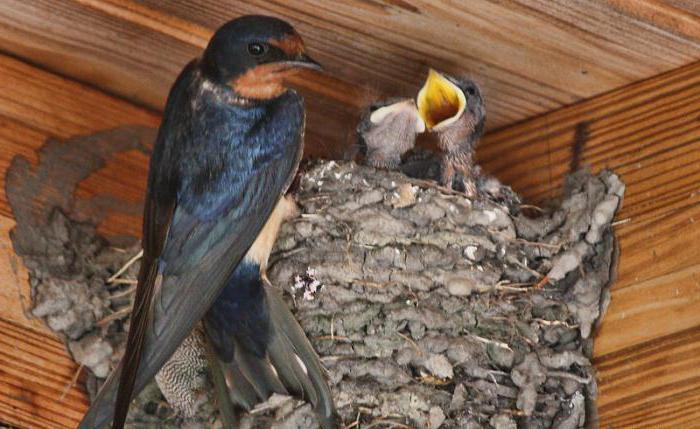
440,102
408,105
303,61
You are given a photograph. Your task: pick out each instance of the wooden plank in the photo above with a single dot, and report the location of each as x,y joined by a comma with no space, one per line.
681,20
637,117
60,107
653,385
107,183
36,105
35,368
648,348
15,295
648,338
35,371
651,309
648,133
530,55
91,44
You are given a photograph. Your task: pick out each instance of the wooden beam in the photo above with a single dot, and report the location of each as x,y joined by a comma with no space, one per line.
650,134
653,385
61,107
36,388
646,350
36,371
531,56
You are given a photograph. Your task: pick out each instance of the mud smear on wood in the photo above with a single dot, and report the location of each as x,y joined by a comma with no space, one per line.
428,310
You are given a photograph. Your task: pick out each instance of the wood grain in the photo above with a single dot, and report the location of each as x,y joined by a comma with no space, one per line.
647,351
60,107
35,371
35,368
15,295
531,56
649,133
652,385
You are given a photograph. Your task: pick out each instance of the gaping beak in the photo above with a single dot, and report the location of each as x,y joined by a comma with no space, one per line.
440,102
404,106
303,61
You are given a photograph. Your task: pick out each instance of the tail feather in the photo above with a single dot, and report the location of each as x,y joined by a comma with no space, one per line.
292,336
223,401
289,366
290,370
258,371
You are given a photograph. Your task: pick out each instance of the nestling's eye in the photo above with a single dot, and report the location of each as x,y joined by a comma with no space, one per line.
471,91
257,49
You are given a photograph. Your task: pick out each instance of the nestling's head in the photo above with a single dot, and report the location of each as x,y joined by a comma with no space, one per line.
253,54
388,131
445,101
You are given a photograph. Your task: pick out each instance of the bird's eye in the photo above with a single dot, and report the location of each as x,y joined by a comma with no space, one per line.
471,91
256,49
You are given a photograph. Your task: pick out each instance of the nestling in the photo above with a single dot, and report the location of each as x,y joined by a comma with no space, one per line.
454,110
388,130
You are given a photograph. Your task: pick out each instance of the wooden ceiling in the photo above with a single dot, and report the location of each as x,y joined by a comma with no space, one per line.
531,56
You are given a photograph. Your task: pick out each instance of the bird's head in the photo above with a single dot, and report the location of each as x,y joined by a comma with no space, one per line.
253,54
444,100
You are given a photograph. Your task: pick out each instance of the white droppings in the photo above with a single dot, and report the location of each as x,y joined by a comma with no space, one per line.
470,252
308,284
491,215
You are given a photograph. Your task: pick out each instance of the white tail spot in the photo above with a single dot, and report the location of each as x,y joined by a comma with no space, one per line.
301,364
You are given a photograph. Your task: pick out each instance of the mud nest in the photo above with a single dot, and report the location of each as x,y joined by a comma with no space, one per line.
427,309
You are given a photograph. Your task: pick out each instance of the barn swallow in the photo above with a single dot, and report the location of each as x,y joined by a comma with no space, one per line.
388,130
227,149
454,110
256,345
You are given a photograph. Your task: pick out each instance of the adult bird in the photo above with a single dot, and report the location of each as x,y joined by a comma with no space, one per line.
227,149
454,110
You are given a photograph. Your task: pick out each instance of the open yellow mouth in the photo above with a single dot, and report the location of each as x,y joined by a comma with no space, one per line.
440,102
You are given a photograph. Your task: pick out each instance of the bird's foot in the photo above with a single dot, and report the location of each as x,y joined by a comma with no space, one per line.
470,189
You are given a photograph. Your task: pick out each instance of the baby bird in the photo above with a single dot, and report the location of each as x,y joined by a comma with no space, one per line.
388,130
454,110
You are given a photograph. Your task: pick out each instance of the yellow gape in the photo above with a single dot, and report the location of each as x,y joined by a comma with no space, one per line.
440,102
